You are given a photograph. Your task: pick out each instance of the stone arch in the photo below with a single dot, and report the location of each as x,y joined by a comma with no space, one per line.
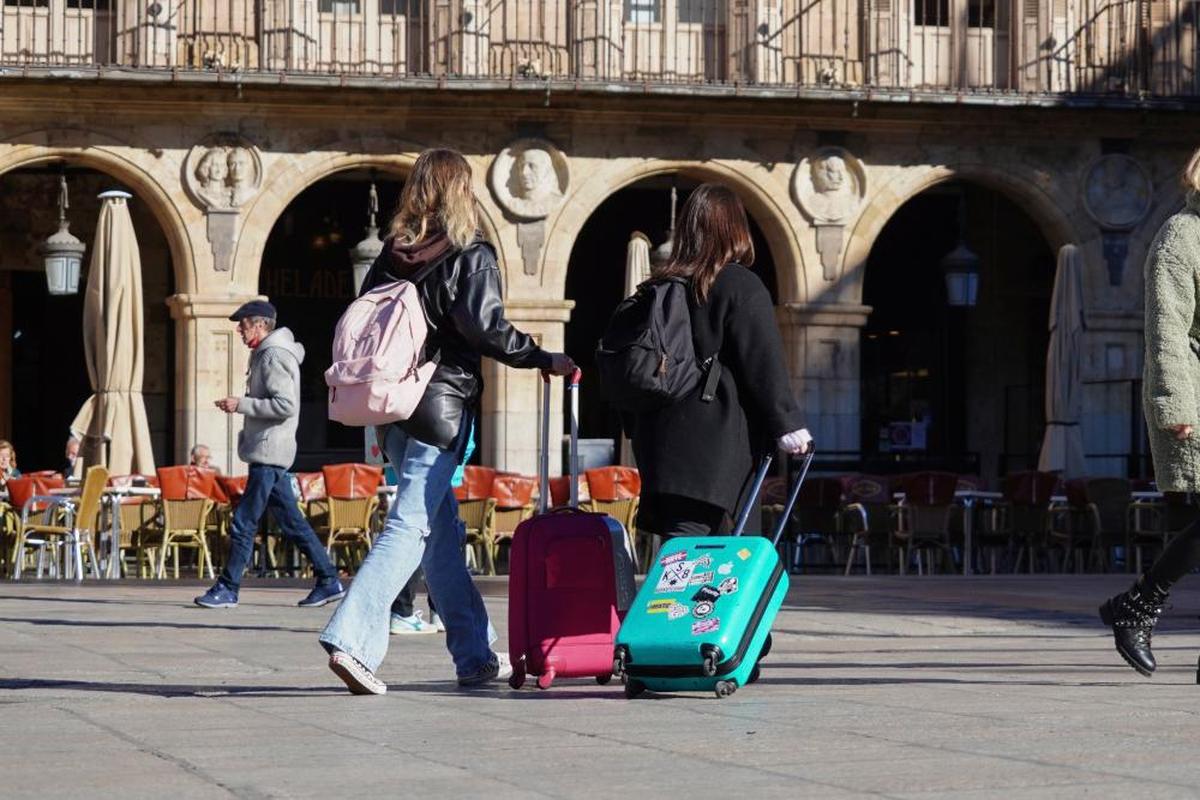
769,209
280,190
112,161
1045,208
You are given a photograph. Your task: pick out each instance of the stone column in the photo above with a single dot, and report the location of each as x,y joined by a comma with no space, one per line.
512,399
822,347
210,363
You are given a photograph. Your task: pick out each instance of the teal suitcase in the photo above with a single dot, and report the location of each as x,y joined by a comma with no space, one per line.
702,620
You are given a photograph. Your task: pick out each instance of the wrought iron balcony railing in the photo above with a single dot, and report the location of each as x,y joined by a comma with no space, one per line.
1124,48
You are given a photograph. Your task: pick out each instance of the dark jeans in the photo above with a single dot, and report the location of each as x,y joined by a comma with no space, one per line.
271,486
403,604
675,515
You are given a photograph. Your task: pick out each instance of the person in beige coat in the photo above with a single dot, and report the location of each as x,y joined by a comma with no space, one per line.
1171,402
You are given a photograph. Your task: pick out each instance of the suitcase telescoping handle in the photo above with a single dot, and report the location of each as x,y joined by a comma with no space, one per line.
572,386
759,478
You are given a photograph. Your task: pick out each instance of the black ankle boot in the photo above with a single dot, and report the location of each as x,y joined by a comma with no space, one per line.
1132,616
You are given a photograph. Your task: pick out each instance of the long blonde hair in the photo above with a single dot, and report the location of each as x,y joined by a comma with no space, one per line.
1191,177
437,195
12,453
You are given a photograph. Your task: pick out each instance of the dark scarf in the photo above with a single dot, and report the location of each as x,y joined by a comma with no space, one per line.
407,259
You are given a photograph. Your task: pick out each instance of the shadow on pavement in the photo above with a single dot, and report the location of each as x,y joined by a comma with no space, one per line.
78,623
168,689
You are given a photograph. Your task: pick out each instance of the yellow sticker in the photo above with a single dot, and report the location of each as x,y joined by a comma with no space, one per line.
659,606
744,553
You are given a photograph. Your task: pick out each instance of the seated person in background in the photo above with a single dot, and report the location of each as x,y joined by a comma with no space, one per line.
71,456
8,462
202,457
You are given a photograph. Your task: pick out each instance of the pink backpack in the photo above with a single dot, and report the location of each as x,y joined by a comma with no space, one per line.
377,376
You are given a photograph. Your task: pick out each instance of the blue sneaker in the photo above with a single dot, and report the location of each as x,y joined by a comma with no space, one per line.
323,594
219,596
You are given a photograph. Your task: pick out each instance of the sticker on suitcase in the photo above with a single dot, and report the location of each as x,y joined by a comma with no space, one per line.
725,568
728,586
673,558
706,626
677,610
700,578
675,577
659,606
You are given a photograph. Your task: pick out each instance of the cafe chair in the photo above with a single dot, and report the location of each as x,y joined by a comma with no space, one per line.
1021,520
352,494
867,518
77,532
924,518
514,503
188,499
615,491
1153,523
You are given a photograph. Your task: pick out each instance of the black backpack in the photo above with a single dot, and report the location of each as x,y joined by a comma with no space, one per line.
646,357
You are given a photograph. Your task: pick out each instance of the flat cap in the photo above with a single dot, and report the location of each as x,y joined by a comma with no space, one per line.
255,308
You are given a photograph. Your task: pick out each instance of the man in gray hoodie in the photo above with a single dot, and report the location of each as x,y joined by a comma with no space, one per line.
267,443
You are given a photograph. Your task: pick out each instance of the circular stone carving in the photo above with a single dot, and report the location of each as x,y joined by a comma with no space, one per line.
529,178
1116,192
222,172
829,186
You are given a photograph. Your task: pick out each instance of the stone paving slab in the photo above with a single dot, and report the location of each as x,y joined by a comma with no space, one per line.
942,687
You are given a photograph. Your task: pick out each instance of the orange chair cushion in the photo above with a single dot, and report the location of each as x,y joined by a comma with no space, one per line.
312,485
477,483
352,481
613,483
234,487
929,488
513,491
190,483
1029,488
27,486
560,490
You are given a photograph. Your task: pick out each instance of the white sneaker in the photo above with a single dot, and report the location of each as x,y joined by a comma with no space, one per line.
436,622
408,625
505,667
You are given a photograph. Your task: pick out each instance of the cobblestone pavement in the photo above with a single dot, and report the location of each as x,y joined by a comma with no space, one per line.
887,686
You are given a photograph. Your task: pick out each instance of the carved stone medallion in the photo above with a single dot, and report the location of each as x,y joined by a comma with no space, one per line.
829,186
529,178
1116,192
223,172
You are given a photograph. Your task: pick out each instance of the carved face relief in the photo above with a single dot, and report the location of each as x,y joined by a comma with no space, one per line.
223,172
529,178
829,186
1116,192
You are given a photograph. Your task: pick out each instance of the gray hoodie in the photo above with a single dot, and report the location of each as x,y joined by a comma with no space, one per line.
272,401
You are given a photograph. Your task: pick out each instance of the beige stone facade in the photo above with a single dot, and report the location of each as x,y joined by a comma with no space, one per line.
147,136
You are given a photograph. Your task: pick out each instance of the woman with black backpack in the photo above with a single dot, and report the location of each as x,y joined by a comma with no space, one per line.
696,455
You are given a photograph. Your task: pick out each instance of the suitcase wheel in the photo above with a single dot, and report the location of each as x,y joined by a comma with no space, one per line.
633,688
545,679
603,679
725,688
516,680
766,648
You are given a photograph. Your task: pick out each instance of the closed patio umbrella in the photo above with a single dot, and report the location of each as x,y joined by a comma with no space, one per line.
113,328
1062,446
637,262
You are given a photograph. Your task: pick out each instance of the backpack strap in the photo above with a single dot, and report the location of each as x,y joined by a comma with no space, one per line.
712,378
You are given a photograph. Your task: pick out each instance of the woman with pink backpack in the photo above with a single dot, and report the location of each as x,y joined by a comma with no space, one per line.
435,244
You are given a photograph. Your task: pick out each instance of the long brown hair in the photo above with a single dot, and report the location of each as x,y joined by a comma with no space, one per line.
437,194
712,232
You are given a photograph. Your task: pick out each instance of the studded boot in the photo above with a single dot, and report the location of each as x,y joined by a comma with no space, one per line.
1132,615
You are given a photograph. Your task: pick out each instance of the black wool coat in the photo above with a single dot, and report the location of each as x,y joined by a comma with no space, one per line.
707,451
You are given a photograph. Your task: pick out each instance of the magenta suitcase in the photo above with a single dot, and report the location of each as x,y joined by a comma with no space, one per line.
570,581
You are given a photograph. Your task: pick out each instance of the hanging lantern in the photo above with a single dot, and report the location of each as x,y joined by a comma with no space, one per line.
365,252
960,266
62,253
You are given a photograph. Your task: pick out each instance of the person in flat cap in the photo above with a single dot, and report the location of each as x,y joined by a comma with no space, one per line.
271,406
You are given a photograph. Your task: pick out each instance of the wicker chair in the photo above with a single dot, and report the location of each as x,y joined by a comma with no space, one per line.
615,491
352,495
1021,520
513,496
139,526
187,506
923,520
79,533
867,518
21,494
1154,523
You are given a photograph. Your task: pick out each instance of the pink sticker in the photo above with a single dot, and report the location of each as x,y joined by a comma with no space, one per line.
673,557
705,626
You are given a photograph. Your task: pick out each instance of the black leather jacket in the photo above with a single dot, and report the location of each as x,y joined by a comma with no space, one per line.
464,307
